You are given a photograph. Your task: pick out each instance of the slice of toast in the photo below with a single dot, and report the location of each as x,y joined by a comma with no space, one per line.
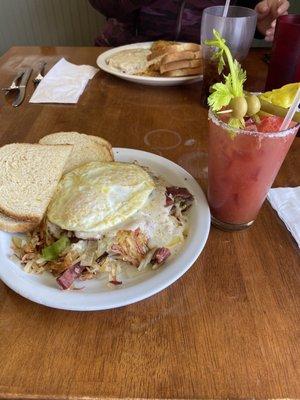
103,142
179,56
86,148
12,225
169,47
175,65
29,174
160,45
184,72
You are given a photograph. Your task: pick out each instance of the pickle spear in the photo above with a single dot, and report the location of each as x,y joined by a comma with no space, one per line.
276,110
278,101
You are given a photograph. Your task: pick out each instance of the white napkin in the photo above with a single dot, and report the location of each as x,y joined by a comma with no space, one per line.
64,83
286,201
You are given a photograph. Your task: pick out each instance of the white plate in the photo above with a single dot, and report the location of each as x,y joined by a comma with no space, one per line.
97,295
144,80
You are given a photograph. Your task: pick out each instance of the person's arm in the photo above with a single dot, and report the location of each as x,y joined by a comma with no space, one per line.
118,8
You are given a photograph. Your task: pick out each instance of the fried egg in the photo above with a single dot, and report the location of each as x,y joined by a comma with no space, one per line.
98,196
155,221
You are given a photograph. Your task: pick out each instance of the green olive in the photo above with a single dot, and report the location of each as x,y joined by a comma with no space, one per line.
253,104
239,107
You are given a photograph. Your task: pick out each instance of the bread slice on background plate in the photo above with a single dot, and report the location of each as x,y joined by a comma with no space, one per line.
161,45
86,148
162,48
184,72
175,65
12,225
29,174
180,55
164,52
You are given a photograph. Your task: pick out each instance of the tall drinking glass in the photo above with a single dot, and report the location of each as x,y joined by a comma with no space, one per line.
285,59
237,28
241,169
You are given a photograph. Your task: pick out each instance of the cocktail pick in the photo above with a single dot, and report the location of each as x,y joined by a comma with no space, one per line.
290,114
225,10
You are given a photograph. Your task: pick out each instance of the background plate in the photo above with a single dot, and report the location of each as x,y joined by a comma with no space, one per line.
96,295
144,80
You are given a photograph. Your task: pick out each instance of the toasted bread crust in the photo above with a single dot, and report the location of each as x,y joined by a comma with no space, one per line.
180,55
172,48
184,72
161,44
104,142
168,56
12,225
177,65
87,148
20,217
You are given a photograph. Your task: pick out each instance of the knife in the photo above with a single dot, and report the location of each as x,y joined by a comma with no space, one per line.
22,87
14,84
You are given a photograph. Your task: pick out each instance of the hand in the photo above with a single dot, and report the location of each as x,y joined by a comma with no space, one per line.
267,12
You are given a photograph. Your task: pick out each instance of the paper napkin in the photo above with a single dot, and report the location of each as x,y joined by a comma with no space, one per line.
286,201
64,83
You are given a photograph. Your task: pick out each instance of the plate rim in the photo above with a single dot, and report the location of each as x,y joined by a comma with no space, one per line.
101,62
143,293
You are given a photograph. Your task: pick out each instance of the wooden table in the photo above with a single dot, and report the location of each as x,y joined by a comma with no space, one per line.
229,328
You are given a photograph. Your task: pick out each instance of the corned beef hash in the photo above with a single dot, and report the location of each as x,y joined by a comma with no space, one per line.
106,217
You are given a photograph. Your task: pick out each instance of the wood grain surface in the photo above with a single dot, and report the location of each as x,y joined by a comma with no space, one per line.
229,328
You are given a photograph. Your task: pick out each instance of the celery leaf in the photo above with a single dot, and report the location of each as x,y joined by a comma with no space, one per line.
220,96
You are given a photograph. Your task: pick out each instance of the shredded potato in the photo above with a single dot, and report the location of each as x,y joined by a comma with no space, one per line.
109,253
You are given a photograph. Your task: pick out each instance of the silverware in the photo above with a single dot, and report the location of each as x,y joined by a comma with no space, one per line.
22,77
13,85
40,74
22,87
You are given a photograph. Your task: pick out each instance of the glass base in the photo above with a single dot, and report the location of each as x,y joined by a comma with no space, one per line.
226,226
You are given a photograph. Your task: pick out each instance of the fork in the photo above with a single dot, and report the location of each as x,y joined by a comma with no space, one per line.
40,74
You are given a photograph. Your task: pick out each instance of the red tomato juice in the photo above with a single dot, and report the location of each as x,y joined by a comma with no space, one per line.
241,170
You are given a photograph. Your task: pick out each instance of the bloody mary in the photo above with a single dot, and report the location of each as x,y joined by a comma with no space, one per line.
242,167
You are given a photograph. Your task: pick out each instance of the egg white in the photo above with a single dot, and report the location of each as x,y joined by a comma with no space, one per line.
153,219
98,196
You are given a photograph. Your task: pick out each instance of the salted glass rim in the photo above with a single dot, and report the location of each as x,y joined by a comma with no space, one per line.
278,134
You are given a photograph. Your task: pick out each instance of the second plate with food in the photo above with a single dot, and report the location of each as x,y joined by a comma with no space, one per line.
144,80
